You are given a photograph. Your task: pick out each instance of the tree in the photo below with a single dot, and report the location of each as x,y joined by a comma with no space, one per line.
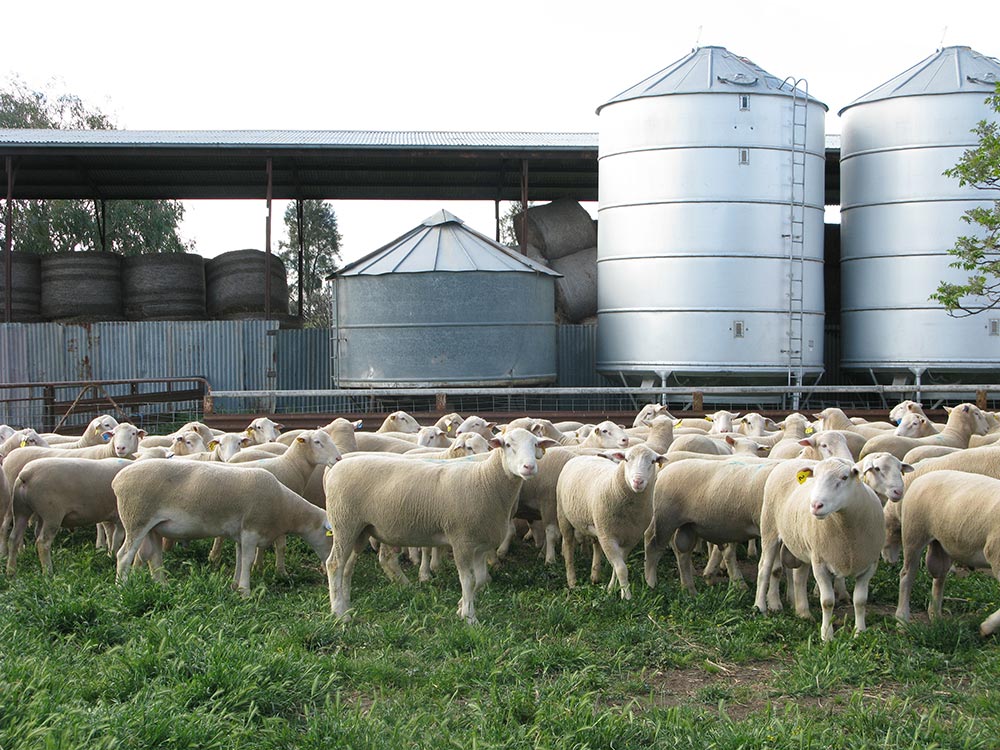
508,236
132,227
979,253
320,254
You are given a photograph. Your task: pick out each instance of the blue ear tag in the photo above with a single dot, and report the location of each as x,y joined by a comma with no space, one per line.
106,437
328,527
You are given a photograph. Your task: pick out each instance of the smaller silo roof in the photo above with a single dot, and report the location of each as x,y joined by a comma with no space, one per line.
708,70
952,70
442,243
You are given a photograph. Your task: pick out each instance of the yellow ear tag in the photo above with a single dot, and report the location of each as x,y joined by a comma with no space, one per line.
803,475
679,423
810,430
450,427
329,533
709,418
24,443
213,445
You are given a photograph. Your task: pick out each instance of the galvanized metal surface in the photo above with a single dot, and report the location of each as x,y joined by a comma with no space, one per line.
239,353
900,215
442,243
707,69
444,304
695,224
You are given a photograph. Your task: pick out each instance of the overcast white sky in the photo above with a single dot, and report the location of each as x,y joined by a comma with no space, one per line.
510,65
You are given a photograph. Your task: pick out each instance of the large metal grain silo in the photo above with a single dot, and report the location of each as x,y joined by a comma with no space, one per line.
900,215
710,246
443,306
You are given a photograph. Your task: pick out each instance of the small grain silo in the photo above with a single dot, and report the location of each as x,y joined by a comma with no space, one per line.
900,215
710,240
443,305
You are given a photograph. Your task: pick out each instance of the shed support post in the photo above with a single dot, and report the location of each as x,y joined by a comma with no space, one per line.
302,245
101,219
524,206
9,244
267,248
698,401
496,216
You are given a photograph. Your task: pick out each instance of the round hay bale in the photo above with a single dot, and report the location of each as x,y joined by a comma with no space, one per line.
164,286
234,286
576,291
83,287
557,229
26,287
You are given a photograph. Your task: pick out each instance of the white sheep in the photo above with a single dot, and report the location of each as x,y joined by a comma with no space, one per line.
433,437
196,500
964,421
6,431
916,455
264,430
476,424
22,439
610,504
648,413
158,441
62,492
700,444
832,522
399,421
449,423
463,503
915,425
92,435
958,516
466,444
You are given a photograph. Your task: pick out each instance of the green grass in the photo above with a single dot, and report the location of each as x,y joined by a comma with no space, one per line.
88,664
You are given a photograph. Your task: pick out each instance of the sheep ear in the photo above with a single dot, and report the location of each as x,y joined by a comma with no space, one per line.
855,472
279,426
490,425
213,444
948,409
106,436
244,442
729,439
616,456
662,461
548,443
808,442
300,439
495,442
357,424
905,468
249,430
142,434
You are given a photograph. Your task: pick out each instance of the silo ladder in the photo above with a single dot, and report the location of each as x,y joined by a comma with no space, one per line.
796,232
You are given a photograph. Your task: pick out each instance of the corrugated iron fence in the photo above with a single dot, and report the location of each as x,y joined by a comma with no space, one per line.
231,355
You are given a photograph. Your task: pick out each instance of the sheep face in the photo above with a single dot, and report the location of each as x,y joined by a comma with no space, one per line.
6,431
883,472
30,437
833,485
828,445
103,424
320,447
611,435
477,425
648,413
472,443
125,439
263,430
187,443
229,445
432,437
903,408
450,422
641,465
400,421
912,425
521,451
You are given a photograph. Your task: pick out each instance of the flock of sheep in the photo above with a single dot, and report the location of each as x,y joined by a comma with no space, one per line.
829,496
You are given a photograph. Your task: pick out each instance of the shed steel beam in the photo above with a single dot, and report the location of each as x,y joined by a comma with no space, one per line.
8,314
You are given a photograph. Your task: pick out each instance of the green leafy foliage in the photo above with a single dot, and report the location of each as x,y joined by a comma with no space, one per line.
978,253
48,226
321,253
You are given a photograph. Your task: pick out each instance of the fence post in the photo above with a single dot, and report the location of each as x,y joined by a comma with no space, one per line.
49,407
981,399
698,401
441,402
208,404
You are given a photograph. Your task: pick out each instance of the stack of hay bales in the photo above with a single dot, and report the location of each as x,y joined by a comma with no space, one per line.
562,235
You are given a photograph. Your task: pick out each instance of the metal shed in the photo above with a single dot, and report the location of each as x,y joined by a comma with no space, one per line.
443,305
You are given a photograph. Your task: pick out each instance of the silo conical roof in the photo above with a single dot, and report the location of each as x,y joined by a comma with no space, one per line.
708,70
442,243
952,70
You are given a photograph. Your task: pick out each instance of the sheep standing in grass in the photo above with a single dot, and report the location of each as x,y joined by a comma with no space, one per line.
196,500
465,504
833,522
607,499
63,492
957,517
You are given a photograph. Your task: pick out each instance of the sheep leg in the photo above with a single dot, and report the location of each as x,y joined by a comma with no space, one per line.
616,556
464,561
425,565
769,552
538,534
799,587
827,598
683,542
752,549
247,548
906,575
652,552
504,547
43,544
126,555
152,552
436,553
117,537
339,573
861,597
938,565
552,535
388,559
215,555
732,566
596,562
280,542
16,536
714,561
413,555
568,550
102,537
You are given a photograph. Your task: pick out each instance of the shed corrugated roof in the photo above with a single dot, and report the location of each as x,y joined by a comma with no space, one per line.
417,139
707,70
442,243
952,70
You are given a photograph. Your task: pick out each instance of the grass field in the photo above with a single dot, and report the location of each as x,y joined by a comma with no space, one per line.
88,664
